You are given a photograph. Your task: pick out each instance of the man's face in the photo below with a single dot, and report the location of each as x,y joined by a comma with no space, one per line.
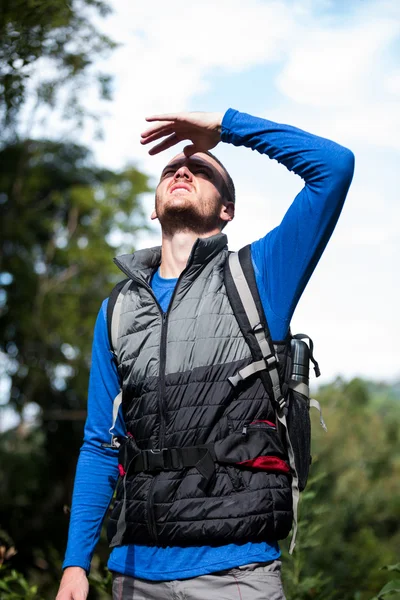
192,195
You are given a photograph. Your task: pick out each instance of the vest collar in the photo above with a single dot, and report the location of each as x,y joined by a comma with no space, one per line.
142,263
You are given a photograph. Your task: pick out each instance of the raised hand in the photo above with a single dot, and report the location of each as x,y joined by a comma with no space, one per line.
203,129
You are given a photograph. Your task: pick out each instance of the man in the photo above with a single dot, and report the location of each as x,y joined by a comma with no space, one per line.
198,528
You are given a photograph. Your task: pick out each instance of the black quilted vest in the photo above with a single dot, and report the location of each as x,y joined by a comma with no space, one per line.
191,477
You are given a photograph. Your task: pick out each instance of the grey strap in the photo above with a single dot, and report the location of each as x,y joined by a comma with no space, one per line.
115,320
243,290
251,369
269,358
116,404
299,386
295,479
116,316
315,404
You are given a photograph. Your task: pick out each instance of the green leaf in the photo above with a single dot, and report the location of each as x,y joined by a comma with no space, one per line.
390,588
391,567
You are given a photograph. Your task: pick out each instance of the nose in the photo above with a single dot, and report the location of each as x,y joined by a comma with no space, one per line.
183,172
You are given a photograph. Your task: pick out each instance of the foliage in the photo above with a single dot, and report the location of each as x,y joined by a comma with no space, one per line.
349,514
14,586
59,215
48,48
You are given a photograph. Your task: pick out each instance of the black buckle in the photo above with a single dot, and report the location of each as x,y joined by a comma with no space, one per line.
270,361
154,460
157,461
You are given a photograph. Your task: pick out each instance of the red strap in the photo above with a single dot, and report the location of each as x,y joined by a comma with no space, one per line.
263,421
267,463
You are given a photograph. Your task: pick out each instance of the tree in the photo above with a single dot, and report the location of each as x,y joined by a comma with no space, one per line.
56,38
59,214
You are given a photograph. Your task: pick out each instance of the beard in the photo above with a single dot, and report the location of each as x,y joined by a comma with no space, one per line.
177,218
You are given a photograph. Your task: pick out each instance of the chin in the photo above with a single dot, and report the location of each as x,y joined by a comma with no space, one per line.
186,218
176,206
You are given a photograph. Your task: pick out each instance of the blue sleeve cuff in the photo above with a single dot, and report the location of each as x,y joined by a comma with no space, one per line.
77,563
226,124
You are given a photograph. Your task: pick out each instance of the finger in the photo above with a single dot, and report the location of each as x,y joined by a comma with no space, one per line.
190,150
166,117
157,135
155,128
164,145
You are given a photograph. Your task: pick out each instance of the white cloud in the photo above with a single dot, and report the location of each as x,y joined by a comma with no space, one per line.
335,68
228,34
341,78
392,83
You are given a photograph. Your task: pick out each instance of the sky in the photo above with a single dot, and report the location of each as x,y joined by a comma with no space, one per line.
329,67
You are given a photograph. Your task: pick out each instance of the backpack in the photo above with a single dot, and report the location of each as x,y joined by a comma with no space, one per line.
291,397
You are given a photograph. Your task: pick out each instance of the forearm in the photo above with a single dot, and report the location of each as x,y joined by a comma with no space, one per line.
315,159
95,480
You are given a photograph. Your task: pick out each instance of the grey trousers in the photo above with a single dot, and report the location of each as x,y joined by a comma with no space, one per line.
256,581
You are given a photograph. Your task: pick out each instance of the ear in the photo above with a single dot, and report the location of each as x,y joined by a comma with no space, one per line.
153,215
227,211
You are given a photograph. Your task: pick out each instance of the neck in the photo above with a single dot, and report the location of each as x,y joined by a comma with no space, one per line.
176,250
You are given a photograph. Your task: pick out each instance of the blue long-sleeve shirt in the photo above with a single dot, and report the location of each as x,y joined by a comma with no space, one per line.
283,261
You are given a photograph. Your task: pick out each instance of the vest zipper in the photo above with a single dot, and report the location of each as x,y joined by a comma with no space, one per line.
161,393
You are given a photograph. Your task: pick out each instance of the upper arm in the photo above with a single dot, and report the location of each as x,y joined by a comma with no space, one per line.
103,386
286,258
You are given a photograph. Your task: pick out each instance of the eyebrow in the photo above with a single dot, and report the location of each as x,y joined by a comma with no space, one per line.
189,162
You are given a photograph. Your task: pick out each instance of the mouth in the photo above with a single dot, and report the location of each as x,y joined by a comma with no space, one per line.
180,186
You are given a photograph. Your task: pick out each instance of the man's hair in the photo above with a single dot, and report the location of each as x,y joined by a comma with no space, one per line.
230,185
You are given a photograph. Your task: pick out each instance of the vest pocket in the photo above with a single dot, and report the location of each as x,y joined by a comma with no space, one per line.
265,462
257,446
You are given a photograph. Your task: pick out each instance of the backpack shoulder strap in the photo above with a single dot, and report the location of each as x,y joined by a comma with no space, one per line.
243,295
113,318
114,312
